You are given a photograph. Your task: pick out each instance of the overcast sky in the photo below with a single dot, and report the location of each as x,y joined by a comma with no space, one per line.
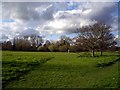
53,19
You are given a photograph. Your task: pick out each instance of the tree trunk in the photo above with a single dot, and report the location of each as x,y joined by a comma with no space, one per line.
93,53
101,52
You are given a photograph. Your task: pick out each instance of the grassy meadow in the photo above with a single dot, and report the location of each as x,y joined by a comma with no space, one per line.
59,70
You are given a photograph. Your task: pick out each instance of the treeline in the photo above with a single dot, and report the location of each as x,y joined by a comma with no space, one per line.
26,43
97,37
63,45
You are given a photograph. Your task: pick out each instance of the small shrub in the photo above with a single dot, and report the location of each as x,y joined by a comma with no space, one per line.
105,63
19,58
53,48
42,49
63,48
85,54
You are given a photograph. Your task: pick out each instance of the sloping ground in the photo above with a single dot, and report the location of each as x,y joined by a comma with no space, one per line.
67,70
17,68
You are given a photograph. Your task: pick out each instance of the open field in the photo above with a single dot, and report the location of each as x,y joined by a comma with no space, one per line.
59,70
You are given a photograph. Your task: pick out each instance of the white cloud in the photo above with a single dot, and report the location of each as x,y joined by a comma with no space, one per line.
117,39
54,18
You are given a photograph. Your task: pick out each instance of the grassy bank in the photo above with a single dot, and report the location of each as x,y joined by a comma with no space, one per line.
59,70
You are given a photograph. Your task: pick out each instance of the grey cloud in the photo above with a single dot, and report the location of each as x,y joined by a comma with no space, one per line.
25,11
64,15
4,36
48,28
114,25
101,11
29,32
70,30
26,15
117,39
48,14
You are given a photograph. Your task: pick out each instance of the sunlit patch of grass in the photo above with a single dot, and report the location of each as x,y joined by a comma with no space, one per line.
65,70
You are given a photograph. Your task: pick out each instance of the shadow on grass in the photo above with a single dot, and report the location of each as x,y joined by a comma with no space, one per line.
12,70
105,64
97,55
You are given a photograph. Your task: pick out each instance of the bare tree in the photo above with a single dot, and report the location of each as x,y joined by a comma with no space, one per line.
103,35
86,38
97,36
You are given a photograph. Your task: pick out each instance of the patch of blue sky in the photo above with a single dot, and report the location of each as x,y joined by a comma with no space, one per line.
56,37
117,0
72,5
7,20
115,32
6,27
72,35
53,37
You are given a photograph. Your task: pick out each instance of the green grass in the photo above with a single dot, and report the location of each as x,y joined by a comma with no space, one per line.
61,70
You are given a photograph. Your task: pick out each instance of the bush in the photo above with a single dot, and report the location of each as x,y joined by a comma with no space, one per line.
85,54
42,49
107,63
63,48
73,48
53,48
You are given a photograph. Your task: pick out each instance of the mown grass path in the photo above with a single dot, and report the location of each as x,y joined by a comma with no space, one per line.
65,70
